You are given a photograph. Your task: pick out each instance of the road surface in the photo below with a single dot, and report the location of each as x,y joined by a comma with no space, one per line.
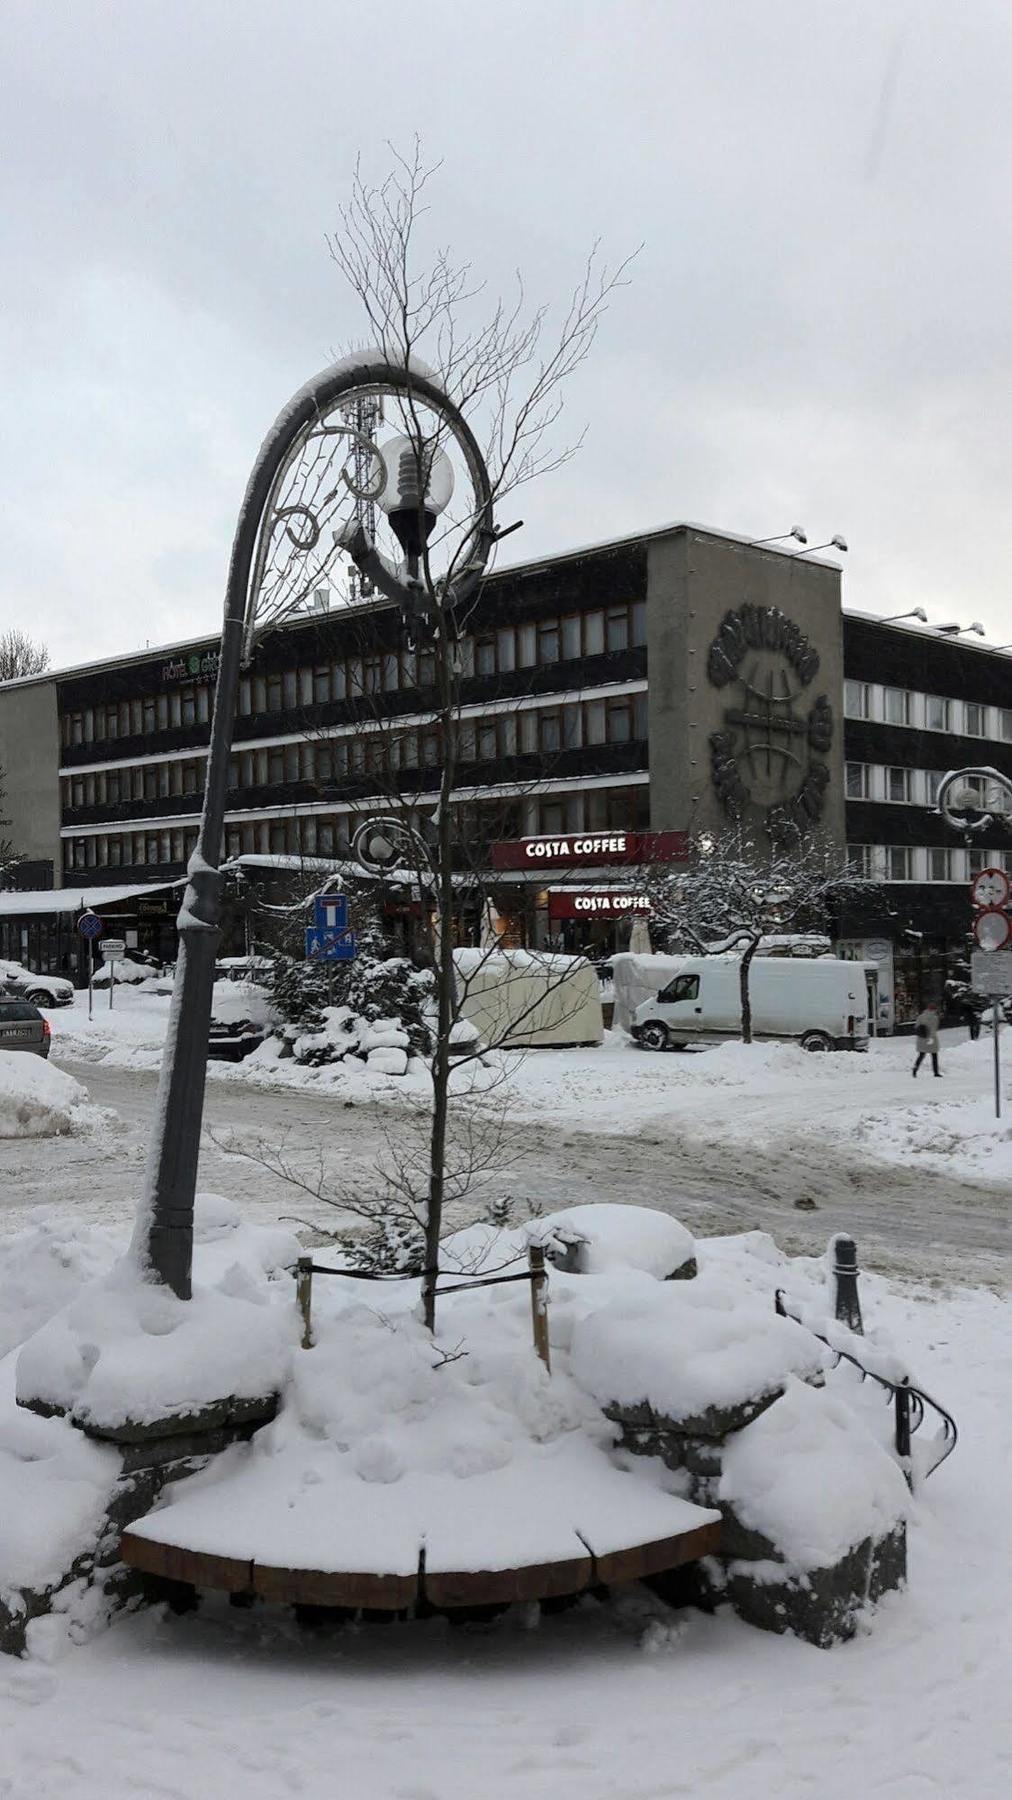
909,1222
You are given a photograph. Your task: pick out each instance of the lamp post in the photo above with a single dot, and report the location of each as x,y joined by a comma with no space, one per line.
797,532
953,631
288,532
916,612
833,543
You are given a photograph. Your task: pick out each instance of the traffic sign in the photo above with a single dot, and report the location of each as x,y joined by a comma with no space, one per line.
332,912
90,925
112,949
991,973
991,887
992,928
331,946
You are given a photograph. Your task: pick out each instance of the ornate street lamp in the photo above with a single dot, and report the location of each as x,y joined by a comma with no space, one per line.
971,799
311,496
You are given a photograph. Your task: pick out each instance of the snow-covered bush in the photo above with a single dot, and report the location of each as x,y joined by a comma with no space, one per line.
373,1009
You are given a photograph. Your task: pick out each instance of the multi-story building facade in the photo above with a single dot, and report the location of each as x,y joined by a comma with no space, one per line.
652,684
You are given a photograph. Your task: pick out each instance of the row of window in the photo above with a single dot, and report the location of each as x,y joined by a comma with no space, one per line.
619,719
904,787
926,712
562,639
593,809
903,862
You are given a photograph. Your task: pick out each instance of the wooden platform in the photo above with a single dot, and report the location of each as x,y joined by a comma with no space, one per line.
441,1588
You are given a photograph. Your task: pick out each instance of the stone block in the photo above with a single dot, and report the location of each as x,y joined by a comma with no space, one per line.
823,1606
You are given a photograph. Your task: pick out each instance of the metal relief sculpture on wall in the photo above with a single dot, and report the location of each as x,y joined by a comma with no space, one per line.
770,752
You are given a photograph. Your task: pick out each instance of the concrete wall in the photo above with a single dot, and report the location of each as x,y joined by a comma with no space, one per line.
30,760
761,721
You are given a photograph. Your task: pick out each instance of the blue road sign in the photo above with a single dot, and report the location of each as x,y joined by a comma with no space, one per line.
90,925
332,913
331,946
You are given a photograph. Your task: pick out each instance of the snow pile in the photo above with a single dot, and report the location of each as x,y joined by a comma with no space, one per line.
383,1044
56,1486
127,1350
240,1003
606,1237
683,1347
42,1268
125,972
810,1476
39,1101
389,1443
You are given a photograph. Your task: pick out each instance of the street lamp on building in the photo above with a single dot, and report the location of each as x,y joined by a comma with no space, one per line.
833,543
916,612
313,488
796,531
952,630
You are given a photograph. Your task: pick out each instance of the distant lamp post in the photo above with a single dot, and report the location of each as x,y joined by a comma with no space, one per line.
951,630
834,543
916,612
292,526
796,531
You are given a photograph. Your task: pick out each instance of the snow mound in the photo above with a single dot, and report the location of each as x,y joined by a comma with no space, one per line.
37,1100
42,1268
56,1486
809,1475
683,1347
610,1236
128,1350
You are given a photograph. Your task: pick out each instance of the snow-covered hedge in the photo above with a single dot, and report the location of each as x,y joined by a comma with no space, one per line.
372,1010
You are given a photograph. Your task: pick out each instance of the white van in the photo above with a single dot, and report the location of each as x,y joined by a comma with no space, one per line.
823,1004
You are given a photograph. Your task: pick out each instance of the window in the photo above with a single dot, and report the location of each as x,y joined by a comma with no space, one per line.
552,817
593,634
391,672
898,785
619,721
526,646
188,707
290,687
857,780
898,863
151,714
506,648
548,641
983,859
175,708
275,692
896,706
528,732
550,730
684,987
617,628
571,637
595,729
857,699
321,683
975,724
859,861
638,616
936,713
484,656
1004,724
932,783
486,744
939,862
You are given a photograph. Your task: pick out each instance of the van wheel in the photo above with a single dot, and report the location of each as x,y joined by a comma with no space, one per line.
816,1040
654,1036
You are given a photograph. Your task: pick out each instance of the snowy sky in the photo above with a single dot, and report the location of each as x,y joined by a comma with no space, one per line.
818,327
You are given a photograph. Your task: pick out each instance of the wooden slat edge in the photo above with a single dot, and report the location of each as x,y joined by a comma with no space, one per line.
483,1587
640,1560
174,1563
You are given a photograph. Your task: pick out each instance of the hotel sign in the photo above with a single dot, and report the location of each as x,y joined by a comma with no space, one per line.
188,668
591,849
572,904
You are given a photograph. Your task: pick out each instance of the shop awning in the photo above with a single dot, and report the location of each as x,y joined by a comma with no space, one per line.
34,903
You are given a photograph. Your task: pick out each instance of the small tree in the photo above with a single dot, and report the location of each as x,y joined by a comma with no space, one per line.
21,655
739,888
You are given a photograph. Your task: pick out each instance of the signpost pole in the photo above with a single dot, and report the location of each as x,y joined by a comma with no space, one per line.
112,981
91,971
997,1056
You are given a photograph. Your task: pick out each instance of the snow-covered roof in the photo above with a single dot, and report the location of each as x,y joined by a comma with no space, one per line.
13,902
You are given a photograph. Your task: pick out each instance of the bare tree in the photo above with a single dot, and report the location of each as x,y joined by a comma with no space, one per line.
21,655
739,888
9,854
506,372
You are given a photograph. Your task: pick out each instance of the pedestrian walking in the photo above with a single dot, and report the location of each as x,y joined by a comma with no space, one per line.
926,1033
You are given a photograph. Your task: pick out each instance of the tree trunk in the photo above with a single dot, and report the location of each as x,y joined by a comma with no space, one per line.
445,998
746,998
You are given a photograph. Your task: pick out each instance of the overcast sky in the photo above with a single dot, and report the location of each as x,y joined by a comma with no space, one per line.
818,329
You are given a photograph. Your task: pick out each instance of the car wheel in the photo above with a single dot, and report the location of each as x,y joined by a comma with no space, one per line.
39,996
816,1040
654,1036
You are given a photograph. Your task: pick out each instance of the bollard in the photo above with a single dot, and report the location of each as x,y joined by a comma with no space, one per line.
539,1302
304,1298
845,1273
903,1429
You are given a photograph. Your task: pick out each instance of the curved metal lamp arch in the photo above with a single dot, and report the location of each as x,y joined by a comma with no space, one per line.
163,1235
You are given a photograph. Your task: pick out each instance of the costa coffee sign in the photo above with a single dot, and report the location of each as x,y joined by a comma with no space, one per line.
595,905
591,849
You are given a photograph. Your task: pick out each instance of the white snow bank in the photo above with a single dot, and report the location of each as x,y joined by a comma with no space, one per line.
683,1346
810,1476
43,1267
35,1099
55,1485
610,1236
128,1350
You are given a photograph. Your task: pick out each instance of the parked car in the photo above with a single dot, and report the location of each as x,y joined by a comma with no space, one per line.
41,990
232,1040
823,1004
22,1027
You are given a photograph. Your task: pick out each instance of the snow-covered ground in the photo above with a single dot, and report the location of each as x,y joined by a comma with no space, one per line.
618,1701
